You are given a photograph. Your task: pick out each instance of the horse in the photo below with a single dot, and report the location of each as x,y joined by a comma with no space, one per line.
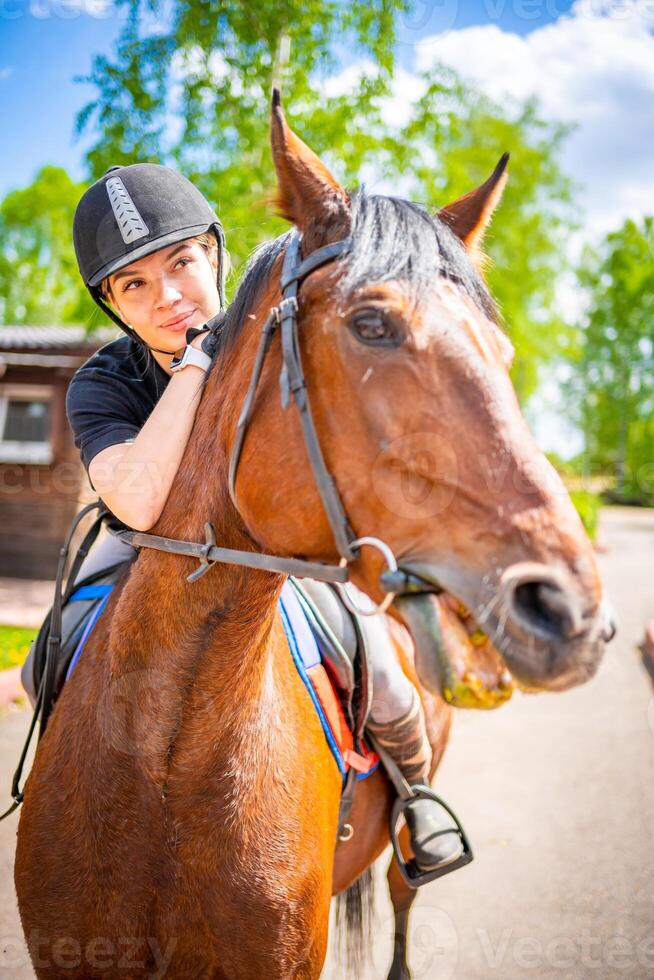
181,814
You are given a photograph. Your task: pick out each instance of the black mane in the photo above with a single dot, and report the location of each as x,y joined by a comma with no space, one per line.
391,239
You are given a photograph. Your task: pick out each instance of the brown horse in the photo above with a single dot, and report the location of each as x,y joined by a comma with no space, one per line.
180,818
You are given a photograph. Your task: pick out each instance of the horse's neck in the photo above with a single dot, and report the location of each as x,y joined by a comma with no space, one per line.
225,615
213,634
201,657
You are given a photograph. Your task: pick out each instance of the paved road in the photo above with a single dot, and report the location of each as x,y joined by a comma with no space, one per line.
557,795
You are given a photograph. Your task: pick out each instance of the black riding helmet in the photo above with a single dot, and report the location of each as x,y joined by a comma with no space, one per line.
133,211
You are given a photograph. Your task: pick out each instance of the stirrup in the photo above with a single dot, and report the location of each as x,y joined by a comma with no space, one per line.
413,875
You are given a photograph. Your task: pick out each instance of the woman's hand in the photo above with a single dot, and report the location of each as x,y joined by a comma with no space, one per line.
197,341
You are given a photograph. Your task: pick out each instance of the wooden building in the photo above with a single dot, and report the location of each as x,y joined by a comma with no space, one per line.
42,481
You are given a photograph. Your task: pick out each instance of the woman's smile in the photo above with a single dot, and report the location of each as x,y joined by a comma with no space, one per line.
179,323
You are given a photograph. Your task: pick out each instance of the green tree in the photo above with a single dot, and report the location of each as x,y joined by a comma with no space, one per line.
190,82
193,91
39,280
613,386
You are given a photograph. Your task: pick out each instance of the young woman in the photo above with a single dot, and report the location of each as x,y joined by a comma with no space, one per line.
151,251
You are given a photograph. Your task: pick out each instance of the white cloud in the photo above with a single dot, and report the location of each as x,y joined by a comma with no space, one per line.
6,72
341,84
407,89
594,67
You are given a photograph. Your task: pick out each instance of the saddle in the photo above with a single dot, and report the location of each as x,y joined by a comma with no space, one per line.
333,665
331,659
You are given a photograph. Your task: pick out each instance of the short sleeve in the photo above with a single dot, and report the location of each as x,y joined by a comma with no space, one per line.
101,411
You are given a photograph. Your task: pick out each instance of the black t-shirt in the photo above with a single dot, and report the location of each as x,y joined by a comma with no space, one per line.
111,396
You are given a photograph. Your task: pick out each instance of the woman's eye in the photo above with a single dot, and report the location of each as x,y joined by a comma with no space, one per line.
132,282
185,260
373,327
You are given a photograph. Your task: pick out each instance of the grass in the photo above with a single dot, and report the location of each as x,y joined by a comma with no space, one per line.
14,644
588,506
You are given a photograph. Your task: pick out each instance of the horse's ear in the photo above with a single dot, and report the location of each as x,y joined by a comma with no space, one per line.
469,216
308,194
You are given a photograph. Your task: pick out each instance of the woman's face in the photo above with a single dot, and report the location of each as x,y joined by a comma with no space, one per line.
165,293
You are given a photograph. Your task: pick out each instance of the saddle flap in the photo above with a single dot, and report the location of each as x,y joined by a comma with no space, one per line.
331,625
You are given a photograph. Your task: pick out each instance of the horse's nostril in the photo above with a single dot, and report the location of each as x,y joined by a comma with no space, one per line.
546,608
547,602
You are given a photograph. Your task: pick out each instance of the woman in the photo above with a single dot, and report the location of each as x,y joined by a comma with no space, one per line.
151,251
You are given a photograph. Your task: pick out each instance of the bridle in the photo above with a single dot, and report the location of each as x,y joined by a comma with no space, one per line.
394,580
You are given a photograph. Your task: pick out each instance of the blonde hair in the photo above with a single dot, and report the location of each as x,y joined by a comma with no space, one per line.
207,240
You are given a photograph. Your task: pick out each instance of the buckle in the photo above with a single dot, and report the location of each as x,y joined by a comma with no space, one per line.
413,875
288,301
205,561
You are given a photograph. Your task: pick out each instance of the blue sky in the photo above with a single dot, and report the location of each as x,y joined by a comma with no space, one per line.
45,43
39,56
431,17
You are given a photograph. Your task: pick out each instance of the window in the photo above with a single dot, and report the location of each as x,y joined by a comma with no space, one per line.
25,424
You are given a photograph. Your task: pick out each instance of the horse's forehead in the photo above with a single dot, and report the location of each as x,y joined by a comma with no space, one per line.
449,314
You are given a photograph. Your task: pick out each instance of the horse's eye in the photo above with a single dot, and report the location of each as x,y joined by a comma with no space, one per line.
373,327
